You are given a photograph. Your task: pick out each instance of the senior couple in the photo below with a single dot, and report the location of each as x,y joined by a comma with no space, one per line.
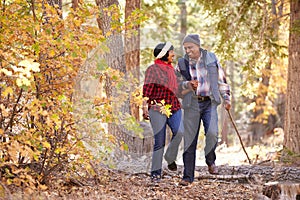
200,82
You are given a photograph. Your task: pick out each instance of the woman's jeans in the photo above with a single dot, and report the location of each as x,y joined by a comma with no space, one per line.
206,112
159,124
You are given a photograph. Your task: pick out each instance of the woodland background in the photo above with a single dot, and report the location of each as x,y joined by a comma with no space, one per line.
71,76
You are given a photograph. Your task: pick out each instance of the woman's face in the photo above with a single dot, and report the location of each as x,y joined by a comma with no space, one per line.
171,56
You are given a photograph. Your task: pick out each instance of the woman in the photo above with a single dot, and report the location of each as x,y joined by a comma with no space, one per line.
160,88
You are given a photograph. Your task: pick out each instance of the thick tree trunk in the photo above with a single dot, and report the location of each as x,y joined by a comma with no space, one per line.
132,50
124,62
115,59
292,114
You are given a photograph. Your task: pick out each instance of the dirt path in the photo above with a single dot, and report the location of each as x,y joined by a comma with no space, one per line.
130,180
124,186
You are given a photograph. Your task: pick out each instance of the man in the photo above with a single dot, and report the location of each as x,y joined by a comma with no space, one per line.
160,88
203,82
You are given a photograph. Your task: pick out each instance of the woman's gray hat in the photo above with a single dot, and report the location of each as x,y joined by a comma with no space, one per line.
193,38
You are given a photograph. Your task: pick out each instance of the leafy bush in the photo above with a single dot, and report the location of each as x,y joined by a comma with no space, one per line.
41,52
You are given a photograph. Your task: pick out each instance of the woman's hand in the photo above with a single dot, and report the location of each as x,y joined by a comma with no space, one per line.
146,113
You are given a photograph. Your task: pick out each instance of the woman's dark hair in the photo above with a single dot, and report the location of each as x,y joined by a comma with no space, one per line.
158,49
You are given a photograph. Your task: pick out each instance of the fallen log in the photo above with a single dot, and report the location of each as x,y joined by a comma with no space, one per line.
239,177
265,173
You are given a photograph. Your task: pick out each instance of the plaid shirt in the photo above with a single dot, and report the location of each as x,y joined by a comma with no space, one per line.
156,89
199,72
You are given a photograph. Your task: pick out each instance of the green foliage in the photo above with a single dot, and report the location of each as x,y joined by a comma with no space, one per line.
158,28
253,34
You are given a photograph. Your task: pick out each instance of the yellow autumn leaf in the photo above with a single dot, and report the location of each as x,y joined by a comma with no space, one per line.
9,181
36,157
35,67
30,64
6,72
108,33
2,192
166,110
25,81
25,63
17,69
51,53
46,145
27,73
7,91
19,82
77,22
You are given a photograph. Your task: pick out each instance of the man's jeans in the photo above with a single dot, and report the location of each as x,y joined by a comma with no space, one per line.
207,112
159,124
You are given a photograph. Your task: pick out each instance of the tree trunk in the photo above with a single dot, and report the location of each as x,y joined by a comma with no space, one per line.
75,4
226,123
132,51
292,114
114,59
129,62
183,22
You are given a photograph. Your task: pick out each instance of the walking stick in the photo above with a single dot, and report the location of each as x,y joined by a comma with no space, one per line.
238,135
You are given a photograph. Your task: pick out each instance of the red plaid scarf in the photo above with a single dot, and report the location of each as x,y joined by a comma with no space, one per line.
169,69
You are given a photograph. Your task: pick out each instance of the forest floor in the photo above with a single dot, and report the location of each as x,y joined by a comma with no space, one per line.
120,185
130,180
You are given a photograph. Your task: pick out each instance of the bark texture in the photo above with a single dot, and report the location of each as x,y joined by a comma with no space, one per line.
254,173
132,49
292,114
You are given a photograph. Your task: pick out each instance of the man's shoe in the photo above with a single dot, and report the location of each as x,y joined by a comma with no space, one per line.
213,169
155,178
172,166
185,183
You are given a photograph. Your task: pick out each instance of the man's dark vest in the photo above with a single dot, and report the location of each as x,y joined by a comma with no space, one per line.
210,62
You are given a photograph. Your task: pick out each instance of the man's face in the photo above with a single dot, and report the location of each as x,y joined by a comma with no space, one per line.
171,56
192,50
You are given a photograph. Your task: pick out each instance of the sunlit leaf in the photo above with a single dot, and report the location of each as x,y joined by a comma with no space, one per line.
30,64
8,91
46,145
6,72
